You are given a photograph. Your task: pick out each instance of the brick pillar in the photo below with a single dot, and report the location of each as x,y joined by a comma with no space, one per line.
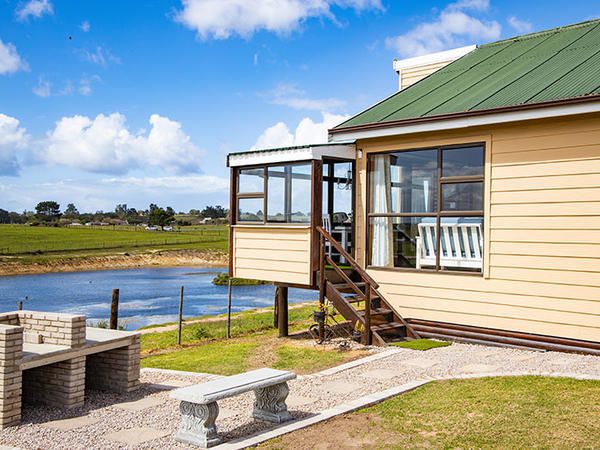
11,347
60,384
115,370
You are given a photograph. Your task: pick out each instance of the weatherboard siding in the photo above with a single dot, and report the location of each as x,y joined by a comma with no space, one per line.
542,233
410,75
272,253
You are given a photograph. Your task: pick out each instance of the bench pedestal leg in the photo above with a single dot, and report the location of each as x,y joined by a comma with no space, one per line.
270,403
198,424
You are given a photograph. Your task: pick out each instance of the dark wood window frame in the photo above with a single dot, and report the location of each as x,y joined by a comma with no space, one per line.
264,195
439,214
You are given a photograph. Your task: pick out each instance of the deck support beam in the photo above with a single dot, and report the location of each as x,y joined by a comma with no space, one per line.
281,298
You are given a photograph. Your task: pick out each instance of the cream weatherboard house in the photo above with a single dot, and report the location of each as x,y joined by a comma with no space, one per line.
465,206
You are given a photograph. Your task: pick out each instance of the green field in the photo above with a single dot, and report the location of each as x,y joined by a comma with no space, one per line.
22,240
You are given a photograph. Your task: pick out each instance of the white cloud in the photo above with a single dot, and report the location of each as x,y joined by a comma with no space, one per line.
13,137
10,61
221,19
307,132
100,56
34,8
85,26
453,27
85,84
105,144
43,88
289,95
520,26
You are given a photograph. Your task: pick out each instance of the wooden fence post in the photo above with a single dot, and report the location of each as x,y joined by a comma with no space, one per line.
179,323
114,310
229,308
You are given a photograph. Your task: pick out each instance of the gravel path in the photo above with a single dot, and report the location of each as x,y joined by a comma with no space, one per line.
308,395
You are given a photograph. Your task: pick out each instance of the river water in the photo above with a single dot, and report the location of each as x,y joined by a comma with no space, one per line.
147,296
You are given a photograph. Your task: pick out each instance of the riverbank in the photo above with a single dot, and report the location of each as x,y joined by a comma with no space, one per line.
154,258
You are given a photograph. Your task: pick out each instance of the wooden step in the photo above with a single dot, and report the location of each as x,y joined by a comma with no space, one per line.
377,311
344,286
390,326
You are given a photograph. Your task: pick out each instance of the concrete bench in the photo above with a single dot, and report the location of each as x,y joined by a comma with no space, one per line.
199,408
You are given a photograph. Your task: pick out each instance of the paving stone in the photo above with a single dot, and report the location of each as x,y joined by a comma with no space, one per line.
478,368
294,401
139,405
71,424
339,387
169,385
381,374
421,363
225,413
136,436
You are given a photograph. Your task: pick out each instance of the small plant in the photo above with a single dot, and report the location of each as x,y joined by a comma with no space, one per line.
201,333
103,323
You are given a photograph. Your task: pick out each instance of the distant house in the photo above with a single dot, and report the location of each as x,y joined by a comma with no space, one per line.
470,200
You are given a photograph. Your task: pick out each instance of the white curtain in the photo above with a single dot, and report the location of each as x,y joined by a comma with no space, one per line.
381,239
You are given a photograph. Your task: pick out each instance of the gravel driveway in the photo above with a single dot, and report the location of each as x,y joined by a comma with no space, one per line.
147,418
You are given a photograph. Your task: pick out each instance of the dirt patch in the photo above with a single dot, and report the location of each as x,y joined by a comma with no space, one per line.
348,431
216,258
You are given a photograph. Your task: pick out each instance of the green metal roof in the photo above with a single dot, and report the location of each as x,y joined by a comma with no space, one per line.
557,64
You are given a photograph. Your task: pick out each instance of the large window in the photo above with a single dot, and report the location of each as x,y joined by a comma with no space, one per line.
424,200
277,193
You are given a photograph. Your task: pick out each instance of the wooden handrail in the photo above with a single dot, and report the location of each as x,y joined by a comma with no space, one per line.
365,276
346,278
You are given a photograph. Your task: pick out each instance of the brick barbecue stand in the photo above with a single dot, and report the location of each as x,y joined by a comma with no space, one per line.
51,358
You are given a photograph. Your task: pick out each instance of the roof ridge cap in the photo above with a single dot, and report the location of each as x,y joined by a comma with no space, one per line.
543,32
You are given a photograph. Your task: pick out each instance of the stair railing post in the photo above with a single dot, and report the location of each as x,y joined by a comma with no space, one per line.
321,270
368,335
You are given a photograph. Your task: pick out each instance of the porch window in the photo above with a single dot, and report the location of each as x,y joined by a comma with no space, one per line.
424,200
274,193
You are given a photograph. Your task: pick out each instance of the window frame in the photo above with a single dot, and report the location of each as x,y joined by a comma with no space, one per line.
439,214
265,193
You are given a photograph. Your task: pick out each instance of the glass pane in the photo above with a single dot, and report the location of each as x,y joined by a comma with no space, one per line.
251,180
397,241
460,162
276,193
462,197
301,193
461,240
250,210
404,182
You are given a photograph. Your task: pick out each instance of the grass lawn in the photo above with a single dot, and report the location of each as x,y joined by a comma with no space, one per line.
421,344
504,412
38,244
254,344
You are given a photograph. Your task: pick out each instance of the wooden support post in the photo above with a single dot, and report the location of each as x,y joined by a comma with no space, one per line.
180,321
367,334
114,310
281,293
229,308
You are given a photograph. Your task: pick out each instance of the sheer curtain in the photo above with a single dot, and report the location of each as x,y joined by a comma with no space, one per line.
381,239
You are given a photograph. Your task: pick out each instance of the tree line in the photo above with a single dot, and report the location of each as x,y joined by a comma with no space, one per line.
49,212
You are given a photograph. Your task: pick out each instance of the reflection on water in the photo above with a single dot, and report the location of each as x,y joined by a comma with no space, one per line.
147,296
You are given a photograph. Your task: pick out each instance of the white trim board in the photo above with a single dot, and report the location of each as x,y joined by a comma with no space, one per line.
467,122
432,58
301,153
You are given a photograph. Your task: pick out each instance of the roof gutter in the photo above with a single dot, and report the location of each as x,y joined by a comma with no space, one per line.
555,108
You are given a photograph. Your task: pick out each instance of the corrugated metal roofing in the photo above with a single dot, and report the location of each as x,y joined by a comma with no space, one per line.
556,64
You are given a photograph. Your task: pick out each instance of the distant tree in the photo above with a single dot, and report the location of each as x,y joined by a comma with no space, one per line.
214,212
4,216
47,211
160,216
121,210
194,212
71,211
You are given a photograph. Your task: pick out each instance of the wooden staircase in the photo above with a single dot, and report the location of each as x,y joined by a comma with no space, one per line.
355,296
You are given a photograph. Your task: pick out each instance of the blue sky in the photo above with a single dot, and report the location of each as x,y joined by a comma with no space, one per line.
105,102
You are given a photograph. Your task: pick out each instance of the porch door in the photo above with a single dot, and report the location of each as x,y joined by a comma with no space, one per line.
338,204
